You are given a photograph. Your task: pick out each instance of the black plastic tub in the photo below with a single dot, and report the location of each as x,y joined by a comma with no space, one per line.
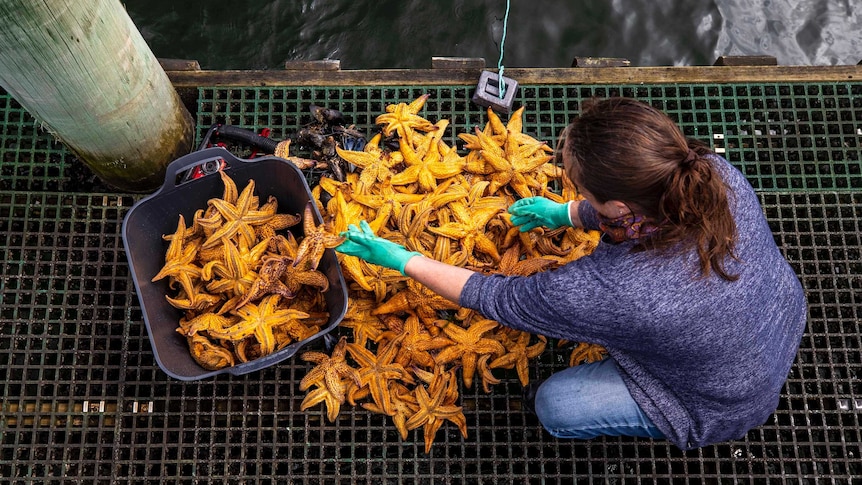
157,214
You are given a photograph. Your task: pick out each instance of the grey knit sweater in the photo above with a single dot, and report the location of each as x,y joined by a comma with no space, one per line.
705,358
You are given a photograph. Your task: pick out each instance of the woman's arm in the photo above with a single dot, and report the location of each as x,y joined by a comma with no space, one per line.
446,280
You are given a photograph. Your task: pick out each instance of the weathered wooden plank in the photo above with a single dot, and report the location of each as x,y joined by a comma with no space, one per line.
457,63
746,61
319,65
179,64
580,75
600,62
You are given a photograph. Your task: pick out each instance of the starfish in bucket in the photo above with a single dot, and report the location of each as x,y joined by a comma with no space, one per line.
179,261
232,219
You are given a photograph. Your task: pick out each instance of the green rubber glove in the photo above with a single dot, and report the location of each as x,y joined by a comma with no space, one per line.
362,243
533,212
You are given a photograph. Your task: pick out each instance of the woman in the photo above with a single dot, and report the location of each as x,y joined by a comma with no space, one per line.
700,313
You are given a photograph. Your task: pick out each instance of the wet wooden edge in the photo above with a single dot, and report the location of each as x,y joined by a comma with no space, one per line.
568,76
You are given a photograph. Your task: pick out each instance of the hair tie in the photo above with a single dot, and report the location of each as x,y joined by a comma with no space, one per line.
690,157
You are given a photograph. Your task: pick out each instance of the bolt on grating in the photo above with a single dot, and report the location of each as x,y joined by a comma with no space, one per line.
85,402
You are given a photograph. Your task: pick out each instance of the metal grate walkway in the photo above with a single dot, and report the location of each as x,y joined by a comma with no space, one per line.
84,402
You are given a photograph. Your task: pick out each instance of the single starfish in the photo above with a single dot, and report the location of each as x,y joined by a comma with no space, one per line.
468,344
375,371
258,321
316,239
518,355
330,371
209,355
179,261
417,344
586,352
436,405
403,118
403,405
238,218
418,299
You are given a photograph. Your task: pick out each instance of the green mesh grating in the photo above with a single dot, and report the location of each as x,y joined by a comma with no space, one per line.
84,401
781,136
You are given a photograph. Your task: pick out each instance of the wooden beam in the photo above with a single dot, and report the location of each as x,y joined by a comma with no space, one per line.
458,63
321,65
524,76
179,64
746,61
600,62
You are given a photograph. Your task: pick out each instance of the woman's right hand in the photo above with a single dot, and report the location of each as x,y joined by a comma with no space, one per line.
364,244
533,212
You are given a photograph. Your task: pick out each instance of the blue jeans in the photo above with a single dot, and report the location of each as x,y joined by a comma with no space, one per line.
591,400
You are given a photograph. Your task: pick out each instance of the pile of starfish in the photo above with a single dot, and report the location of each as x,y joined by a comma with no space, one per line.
407,345
247,287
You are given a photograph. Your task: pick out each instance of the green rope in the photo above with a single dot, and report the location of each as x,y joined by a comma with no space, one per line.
500,67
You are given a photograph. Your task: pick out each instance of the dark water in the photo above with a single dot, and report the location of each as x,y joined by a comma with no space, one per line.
377,34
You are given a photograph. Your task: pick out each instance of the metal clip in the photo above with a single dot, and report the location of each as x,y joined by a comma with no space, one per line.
94,407
488,92
849,405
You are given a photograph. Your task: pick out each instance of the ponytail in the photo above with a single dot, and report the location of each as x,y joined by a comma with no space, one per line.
695,204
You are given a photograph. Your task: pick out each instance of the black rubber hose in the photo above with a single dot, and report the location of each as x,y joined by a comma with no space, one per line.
247,137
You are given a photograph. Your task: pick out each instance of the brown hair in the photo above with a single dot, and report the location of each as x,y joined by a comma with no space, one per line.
625,150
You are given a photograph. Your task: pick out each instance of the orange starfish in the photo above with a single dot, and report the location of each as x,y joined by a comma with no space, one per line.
469,230
418,299
179,261
237,218
403,118
467,345
427,169
518,355
209,355
417,343
436,405
586,352
317,239
330,372
375,372
403,404
258,321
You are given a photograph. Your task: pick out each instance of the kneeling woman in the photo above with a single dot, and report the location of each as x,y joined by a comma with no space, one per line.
700,313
